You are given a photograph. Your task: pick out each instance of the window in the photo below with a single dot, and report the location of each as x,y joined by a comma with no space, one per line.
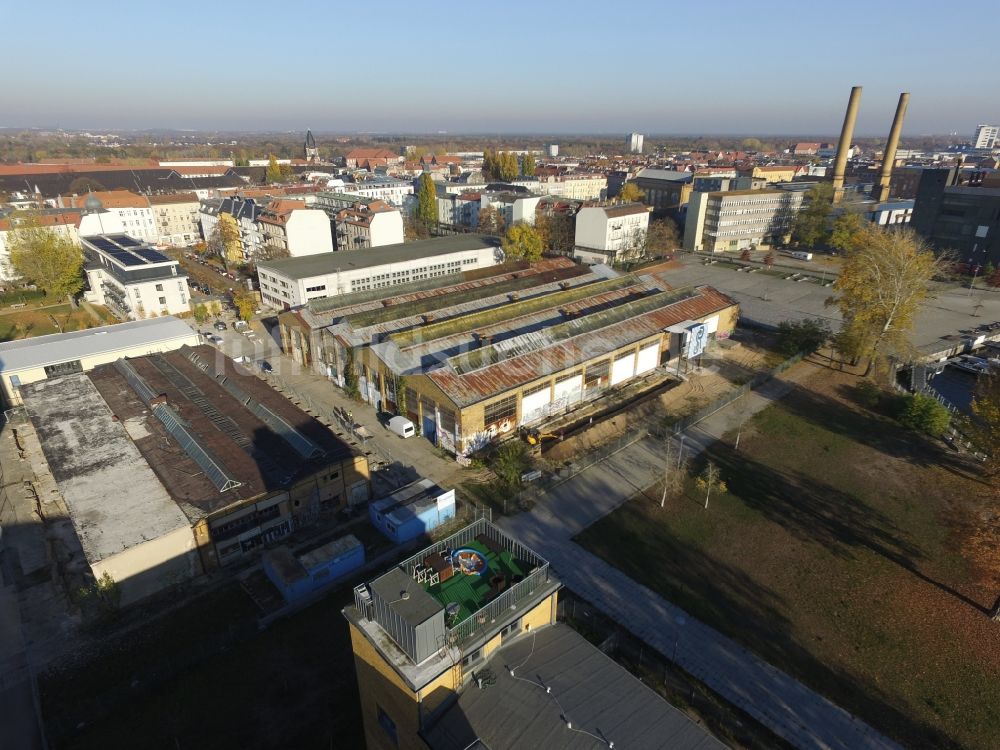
472,658
163,300
513,629
505,408
387,724
159,287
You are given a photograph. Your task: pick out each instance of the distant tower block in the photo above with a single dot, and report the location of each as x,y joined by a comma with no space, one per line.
312,153
634,142
552,150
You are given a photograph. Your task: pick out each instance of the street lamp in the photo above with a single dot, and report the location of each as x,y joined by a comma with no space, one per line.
679,621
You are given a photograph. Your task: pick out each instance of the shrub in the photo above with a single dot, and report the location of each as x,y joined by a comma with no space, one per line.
510,461
867,394
924,414
805,336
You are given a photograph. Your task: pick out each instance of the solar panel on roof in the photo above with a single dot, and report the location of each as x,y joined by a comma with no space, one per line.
125,241
153,256
127,259
103,244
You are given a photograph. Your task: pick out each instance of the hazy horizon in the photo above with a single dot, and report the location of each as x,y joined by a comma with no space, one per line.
551,69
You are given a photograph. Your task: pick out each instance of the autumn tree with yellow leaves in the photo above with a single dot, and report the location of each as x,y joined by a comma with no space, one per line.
884,278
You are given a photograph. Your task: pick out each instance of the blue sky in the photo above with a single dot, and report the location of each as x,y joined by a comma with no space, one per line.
503,67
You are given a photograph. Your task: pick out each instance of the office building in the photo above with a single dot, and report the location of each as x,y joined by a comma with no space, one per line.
738,219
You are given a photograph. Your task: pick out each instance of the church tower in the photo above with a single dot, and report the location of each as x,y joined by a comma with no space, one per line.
312,153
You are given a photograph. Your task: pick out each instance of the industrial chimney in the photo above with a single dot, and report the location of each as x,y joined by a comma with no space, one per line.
844,144
881,192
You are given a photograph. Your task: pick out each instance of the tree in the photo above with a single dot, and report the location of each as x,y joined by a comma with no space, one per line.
528,165
883,280
427,210
675,469
746,254
769,260
811,225
557,232
200,313
245,304
509,462
273,171
351,382
984,425
662,237
506,166
49,260
522,242
806,336
711,481
846,231
924,413
82,185
224,239
751,144
630,193
490,221
633,248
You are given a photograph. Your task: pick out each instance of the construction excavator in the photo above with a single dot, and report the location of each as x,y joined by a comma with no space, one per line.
532,436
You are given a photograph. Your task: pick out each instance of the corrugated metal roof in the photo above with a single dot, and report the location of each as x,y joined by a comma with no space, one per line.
65,347
495,379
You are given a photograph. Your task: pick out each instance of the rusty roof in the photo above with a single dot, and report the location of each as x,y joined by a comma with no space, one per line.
495,379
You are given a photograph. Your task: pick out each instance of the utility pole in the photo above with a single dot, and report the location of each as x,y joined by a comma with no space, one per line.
668,466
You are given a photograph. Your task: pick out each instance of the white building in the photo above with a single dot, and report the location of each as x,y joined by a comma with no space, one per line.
552,150
177,218
292,282
373,224
603,233
63,223
986,136
393,192
133,280
515,209
577,187
740,219
132,209
30,360
289,229
634,142
458,210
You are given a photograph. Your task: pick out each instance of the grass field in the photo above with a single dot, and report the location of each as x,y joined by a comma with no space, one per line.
849,553
20,324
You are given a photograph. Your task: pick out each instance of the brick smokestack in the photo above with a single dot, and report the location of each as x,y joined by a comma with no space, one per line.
844,144
881,192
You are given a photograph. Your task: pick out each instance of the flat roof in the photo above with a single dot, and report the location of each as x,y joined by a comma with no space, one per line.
114,498
321,264
410,501
63,347
329,551
561,678
407,598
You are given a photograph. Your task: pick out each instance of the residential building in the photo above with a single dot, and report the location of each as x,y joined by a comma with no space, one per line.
371,158
245,212
473,357
132,209
64,223
289,229
133,280
515,209
369,224
666,191
731,221
964,220
179,463
294,281
777,173
634,143
552,150
393,192
475,611
986,136
572,186
458,210
177,217
606,233
807,148
29,360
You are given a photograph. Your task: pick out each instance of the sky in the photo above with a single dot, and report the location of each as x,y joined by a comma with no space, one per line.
547,67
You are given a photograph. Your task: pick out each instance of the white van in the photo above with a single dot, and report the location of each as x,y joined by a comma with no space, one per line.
802,255
402,427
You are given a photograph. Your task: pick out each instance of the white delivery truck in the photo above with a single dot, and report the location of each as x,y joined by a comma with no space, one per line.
802,255
402,427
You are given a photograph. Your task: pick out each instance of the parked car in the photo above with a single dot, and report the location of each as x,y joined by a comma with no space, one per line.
265,366
215,339
219,325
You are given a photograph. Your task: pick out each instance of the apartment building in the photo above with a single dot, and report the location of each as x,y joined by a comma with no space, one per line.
604,233
391,191
371,224
133,280
177,218
289,229
132,209
666,191
244,211
731,221
63,223
986,136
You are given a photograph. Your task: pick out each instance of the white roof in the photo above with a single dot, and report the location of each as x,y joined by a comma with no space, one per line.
64,347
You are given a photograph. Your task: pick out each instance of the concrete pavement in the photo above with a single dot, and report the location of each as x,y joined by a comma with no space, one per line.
791,710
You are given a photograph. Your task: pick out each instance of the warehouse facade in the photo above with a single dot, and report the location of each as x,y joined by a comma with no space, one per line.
475,360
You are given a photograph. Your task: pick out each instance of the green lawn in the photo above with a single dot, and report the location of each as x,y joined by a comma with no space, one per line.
838,557
471,592
28,323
